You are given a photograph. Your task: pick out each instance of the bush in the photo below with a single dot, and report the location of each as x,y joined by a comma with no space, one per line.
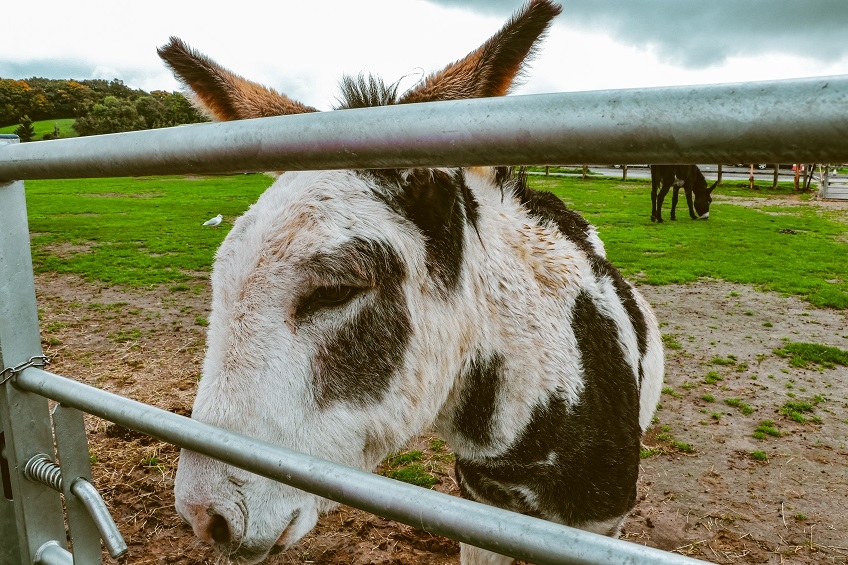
25,131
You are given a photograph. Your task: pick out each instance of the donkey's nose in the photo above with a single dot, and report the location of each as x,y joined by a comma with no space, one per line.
219,530
212,525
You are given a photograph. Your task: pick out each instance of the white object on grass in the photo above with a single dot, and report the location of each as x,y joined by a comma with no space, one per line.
214,221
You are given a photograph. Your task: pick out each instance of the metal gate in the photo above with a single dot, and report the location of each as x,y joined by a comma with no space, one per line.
780,121
833,187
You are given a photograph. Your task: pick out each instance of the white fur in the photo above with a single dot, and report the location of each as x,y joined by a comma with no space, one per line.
517,288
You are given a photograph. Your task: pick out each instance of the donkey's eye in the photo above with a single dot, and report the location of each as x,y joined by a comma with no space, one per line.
333,295
327,297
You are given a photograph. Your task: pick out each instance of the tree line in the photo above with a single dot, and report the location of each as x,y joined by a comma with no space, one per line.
99,106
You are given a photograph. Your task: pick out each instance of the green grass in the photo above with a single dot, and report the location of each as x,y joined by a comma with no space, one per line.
737,244
806,354
66,128
437,444
737,403
557,169
404,458
406,467
713,377
762,188
670,341
717,360
674,442
670,391
134,231
795,409
766,427
646,452
147,231
414,474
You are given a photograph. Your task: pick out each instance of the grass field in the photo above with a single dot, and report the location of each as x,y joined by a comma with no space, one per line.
65,125
797,250
134,231
147,231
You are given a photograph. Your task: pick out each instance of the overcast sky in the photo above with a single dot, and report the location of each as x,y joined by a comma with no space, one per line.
303,48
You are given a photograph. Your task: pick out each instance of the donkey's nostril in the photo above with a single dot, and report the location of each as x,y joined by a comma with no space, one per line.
219,530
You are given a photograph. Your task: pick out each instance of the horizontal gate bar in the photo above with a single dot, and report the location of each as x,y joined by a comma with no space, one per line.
505,532
791,121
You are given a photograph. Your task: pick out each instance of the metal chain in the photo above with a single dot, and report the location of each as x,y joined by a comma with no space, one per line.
39,361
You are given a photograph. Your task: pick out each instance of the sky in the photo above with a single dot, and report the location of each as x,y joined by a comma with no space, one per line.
303,48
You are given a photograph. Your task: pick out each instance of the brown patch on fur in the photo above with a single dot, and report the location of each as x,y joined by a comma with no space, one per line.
279,243
485,173
222,94
491,69
538,249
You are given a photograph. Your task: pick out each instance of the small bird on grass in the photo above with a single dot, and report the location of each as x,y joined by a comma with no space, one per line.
214,221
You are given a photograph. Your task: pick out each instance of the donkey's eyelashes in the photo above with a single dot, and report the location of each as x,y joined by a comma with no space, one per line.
327,297
333,295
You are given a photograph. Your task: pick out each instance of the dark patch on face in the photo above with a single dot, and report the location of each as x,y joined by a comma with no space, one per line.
603,268
357,361
478,399
440,204
595,443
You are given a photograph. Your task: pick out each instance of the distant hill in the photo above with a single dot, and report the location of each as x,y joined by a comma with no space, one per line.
47,127
92,106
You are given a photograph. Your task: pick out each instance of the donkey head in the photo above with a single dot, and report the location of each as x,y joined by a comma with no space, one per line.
703,197
336,317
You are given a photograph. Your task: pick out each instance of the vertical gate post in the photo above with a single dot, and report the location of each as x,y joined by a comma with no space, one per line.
33,514
825,182
72,449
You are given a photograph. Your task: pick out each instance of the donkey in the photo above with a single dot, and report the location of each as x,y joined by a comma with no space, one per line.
353,310
693,182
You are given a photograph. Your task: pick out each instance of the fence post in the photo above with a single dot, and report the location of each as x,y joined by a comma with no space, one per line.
825,182
30,513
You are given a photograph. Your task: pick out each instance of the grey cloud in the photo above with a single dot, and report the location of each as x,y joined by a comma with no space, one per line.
47,68
698,34
78,70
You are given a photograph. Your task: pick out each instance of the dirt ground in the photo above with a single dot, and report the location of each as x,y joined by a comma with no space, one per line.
702,491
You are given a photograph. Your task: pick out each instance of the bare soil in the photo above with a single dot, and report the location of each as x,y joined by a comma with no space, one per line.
702,492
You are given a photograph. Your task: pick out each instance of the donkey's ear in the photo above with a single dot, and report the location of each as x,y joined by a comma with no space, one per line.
712,188
221,94
492,68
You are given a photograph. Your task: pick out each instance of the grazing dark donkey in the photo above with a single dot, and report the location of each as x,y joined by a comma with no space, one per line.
353,310
693,182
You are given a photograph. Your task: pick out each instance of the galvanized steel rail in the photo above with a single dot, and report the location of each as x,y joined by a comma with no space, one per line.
519,536
792,121
803,120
